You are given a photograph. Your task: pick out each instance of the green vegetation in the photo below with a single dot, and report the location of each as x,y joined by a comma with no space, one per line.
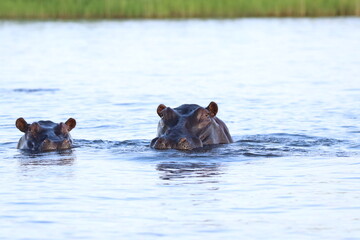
97,9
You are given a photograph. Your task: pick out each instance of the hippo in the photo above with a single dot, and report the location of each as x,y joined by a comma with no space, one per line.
189,126
45,135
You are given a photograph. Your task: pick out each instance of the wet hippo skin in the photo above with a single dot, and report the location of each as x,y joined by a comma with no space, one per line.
45,135
189,126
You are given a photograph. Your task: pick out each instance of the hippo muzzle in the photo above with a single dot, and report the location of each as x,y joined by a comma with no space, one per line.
49,145
183,143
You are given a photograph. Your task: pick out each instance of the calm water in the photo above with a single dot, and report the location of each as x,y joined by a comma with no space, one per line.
288,89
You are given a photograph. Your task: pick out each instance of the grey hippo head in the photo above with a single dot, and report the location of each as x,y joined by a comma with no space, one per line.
189,126
45,135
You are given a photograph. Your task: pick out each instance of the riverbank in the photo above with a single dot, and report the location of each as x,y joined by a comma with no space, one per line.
153,9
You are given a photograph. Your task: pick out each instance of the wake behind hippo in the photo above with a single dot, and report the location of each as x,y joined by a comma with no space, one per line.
189,126
45,135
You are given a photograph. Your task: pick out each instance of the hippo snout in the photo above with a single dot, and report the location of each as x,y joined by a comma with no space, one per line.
49,145
65,144
182,143
161,143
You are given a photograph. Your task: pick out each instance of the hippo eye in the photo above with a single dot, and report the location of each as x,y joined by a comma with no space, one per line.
30,145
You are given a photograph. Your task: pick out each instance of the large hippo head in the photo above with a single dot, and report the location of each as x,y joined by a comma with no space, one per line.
189,126
45,135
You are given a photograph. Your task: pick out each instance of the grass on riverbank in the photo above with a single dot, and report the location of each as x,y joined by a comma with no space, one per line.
110,9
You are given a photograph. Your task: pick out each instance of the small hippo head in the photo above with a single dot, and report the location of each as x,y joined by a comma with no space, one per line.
45,135
189,126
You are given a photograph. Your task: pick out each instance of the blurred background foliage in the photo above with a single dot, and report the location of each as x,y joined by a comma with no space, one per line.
112,9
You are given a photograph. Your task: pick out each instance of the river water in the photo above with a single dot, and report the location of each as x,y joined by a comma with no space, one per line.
288,90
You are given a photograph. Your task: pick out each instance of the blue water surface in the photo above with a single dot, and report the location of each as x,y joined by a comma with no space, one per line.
288,90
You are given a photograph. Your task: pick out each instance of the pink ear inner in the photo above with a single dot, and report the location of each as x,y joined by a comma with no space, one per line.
21,124
160,108
213,109
70,123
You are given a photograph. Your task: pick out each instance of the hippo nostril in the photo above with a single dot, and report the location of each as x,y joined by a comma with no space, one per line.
64,144
184,144
161,143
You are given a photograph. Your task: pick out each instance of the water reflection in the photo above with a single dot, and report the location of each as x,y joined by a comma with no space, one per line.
181,170
59,158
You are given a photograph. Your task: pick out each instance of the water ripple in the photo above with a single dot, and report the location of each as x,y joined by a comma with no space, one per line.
260,145
36,90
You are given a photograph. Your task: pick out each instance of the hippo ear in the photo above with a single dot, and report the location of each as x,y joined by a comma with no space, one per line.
21,124
212,108
160,108
71,123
